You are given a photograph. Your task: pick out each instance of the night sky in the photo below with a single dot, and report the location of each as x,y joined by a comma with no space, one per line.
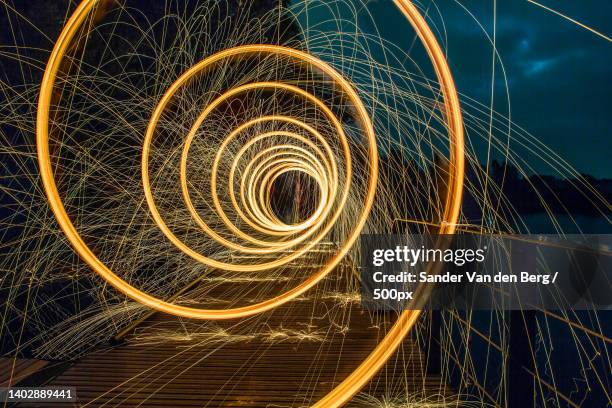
558,72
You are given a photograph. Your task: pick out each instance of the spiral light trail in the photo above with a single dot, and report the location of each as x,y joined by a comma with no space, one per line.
304,150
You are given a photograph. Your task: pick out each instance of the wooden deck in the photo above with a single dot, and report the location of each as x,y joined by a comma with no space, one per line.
13,370
289,357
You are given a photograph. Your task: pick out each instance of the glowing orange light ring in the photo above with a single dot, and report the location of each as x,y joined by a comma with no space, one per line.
193,71
351,385
358,378
46,171
301,169
265,165
274,170
280,230
264,170
330,165
252,221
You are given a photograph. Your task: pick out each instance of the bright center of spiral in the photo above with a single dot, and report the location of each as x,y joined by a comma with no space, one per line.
294,197
308,152
319,162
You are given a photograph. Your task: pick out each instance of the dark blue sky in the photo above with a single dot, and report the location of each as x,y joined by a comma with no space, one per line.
558,72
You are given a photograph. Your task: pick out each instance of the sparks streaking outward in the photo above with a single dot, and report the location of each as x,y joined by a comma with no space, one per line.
327,182
214,164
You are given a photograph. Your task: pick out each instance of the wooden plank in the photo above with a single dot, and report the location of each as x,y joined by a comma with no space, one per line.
148,369
14,370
